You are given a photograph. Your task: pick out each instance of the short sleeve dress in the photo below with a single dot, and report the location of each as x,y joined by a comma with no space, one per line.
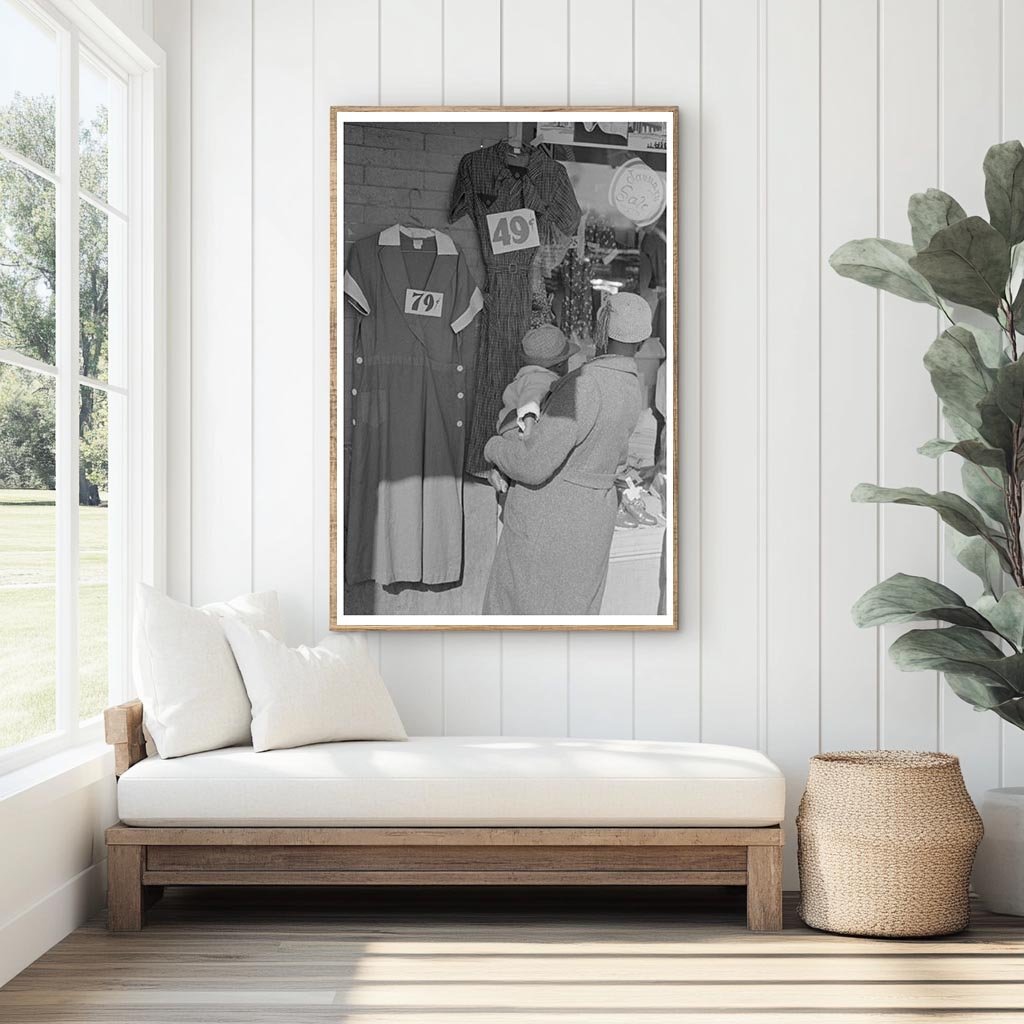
413,353
486,184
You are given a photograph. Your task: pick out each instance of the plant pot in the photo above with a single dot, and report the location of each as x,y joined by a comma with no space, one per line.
886,839
999,868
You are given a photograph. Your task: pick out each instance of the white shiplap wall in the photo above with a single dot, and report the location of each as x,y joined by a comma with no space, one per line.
804,123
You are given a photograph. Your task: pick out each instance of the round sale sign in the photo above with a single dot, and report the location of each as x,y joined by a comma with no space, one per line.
637,192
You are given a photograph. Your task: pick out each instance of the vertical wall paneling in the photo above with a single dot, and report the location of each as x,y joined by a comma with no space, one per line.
792,416
173,28
534,52
472,684
601,685
968,125
283,339
472,52
849,369
1012,127
534,684
414,670
598,73
221,370
411,69
729,281
344,54
666,673
472,74
908,102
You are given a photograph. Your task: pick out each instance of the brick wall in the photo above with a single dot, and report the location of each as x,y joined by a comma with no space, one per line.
402,172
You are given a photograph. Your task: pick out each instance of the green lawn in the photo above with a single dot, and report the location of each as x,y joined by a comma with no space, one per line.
28,524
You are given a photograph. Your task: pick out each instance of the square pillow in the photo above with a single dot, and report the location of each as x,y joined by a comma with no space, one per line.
310,694
191,690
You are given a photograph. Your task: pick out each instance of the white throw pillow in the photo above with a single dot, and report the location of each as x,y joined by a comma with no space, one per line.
309,694
192,693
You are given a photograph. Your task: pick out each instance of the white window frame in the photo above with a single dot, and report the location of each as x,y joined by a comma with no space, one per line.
140,64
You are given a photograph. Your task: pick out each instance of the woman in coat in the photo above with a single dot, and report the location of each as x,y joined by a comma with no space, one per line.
552,557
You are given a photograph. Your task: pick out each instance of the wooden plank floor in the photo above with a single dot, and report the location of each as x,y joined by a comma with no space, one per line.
220,956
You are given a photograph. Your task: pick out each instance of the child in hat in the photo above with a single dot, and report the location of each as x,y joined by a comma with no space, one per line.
547,352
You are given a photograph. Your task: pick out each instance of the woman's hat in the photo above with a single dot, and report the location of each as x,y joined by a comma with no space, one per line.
547,346
629,318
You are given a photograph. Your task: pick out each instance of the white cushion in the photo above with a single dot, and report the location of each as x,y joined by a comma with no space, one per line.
456,780
191,691
309,694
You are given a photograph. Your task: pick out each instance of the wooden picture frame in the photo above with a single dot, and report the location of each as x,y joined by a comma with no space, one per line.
368,605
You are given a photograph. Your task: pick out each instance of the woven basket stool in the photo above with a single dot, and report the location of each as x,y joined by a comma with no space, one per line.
886,840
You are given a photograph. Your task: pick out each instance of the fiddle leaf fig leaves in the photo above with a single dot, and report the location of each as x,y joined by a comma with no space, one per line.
1004,189
952,509
883,264
959,374
967,263
903,598
962,430
1013,286
977,556
1009,390
962,260
973,451
984,486
964,652
996,428
983,694
990,345
929,212
1006,615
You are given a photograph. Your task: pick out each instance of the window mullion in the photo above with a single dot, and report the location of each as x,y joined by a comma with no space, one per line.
67,386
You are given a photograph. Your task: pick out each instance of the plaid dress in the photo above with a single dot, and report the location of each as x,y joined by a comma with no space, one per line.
486,184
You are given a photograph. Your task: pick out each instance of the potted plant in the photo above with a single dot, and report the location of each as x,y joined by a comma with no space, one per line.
977,372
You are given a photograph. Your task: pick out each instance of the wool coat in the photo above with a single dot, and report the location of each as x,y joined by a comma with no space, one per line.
552,556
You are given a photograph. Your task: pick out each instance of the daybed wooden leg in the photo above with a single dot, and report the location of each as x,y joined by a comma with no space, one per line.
764,888
125,898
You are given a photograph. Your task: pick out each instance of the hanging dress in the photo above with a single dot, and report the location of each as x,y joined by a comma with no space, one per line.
413,353
485,184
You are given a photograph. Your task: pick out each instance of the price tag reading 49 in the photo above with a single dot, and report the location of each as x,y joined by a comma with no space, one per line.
515,229
421,303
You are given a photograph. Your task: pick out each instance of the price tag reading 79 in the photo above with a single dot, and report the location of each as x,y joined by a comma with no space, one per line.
423,303
515,229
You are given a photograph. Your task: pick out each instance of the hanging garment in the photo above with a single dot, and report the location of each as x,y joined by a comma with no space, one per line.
485,184
413,354
577,305
654,276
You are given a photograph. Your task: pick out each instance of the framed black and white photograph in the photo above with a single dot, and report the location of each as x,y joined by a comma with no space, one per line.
504,421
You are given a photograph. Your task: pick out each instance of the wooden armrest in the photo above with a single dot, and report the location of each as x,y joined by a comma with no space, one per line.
122,729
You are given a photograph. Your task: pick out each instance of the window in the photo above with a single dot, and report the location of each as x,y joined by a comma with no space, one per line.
73,170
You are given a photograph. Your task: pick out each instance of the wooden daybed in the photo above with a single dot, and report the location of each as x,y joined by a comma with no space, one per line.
179,846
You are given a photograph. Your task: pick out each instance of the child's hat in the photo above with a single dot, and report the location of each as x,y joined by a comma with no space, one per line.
547,346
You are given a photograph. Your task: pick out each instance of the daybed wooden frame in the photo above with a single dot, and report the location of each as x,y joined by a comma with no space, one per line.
143,860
